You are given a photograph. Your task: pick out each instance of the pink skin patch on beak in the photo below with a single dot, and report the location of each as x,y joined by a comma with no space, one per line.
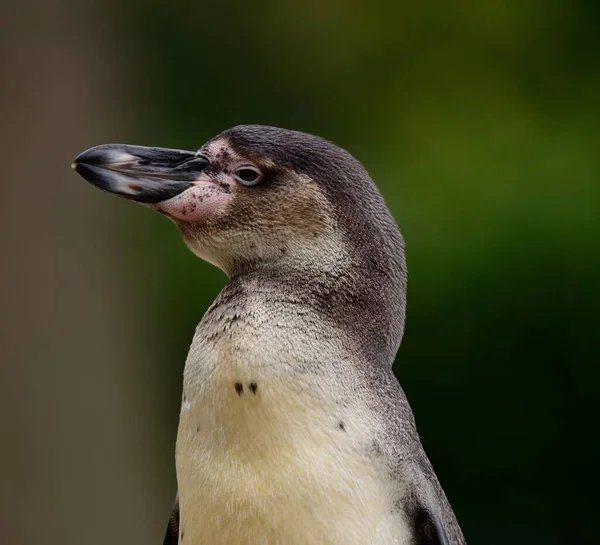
196,203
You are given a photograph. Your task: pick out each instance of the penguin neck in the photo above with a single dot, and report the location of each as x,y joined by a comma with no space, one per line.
343,303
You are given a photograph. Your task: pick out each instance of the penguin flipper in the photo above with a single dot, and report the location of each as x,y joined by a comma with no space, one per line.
172,534
427,528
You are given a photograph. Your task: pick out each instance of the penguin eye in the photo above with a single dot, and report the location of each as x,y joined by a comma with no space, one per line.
248,175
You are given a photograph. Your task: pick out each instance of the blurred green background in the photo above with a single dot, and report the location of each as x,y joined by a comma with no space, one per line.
480,123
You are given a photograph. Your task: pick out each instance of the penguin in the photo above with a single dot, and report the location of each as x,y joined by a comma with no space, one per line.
293,428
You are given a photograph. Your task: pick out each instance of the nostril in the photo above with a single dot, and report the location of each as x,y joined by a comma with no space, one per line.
143,162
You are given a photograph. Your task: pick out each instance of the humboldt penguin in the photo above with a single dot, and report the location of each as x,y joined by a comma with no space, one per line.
293,428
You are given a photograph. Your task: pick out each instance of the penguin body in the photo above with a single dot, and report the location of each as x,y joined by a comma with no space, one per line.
293,429
282,459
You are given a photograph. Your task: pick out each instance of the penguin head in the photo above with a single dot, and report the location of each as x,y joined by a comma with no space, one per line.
253,196
261,211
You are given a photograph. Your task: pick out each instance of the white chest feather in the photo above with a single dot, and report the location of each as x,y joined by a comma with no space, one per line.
264,458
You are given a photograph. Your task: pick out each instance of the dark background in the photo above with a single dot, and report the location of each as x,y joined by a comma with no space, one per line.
479,121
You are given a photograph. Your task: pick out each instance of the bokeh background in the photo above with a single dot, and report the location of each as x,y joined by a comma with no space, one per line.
480,123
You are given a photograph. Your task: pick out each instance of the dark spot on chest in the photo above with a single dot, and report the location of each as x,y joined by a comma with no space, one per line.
239,388
253,387
342,426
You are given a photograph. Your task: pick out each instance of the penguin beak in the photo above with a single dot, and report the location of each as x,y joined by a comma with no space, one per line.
145,175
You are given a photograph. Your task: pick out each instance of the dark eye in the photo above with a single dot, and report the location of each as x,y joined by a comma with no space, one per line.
248,175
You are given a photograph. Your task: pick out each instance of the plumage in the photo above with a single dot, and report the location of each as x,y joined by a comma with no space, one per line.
293,428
